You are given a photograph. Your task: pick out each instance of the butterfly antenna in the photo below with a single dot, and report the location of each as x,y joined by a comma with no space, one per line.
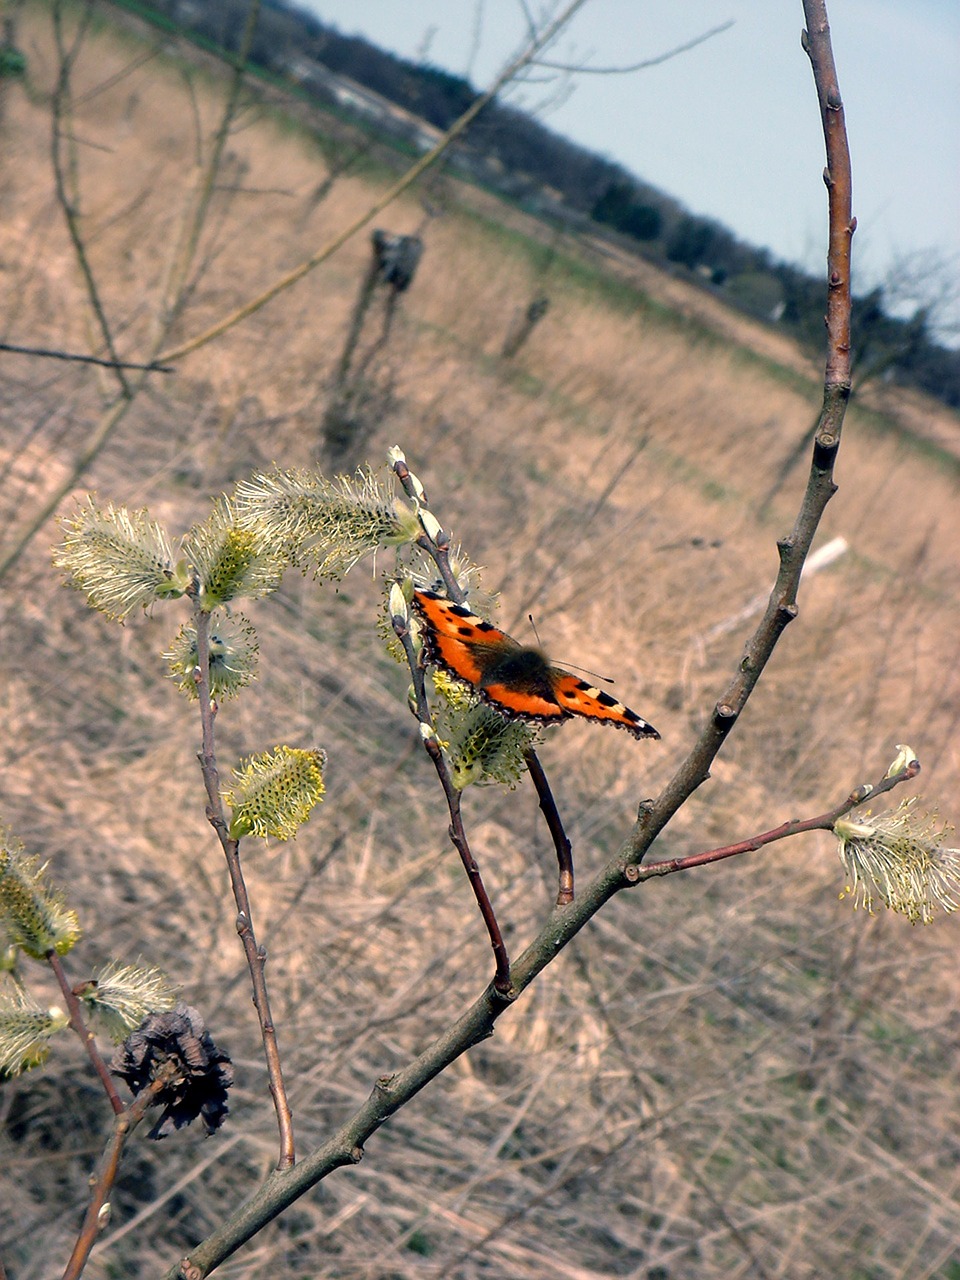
569,666
585,671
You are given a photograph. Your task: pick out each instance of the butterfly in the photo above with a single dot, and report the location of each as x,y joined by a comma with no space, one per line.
517,680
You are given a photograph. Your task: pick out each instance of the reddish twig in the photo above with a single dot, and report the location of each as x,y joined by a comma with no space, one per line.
501,980
796,826
256,955
79,1025
458,835
837,176
551,814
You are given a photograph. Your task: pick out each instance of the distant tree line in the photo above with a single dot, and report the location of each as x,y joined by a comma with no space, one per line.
515,152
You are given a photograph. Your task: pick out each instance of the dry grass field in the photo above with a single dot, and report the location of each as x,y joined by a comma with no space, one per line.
730,1073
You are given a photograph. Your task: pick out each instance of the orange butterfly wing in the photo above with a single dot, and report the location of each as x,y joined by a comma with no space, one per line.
582,699
517,680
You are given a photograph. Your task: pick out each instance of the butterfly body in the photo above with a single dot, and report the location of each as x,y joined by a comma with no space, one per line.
518,680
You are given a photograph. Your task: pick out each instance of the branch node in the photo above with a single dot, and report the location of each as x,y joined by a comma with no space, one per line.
725,713
356,1155
631,873
503,990
824,448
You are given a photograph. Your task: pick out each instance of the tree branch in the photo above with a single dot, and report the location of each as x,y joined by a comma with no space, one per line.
782,605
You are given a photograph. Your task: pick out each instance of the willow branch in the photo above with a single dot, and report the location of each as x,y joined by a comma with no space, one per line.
390,1093
795,826
837,176
551,815
256,955
458,835
326,251
87,1039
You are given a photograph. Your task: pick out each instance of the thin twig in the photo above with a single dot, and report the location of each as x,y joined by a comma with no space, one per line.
822,822
551,815
102,1182
584,68
256,955
175,288
50,353
458,835
79,1025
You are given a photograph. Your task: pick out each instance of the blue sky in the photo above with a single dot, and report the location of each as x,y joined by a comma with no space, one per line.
731,128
